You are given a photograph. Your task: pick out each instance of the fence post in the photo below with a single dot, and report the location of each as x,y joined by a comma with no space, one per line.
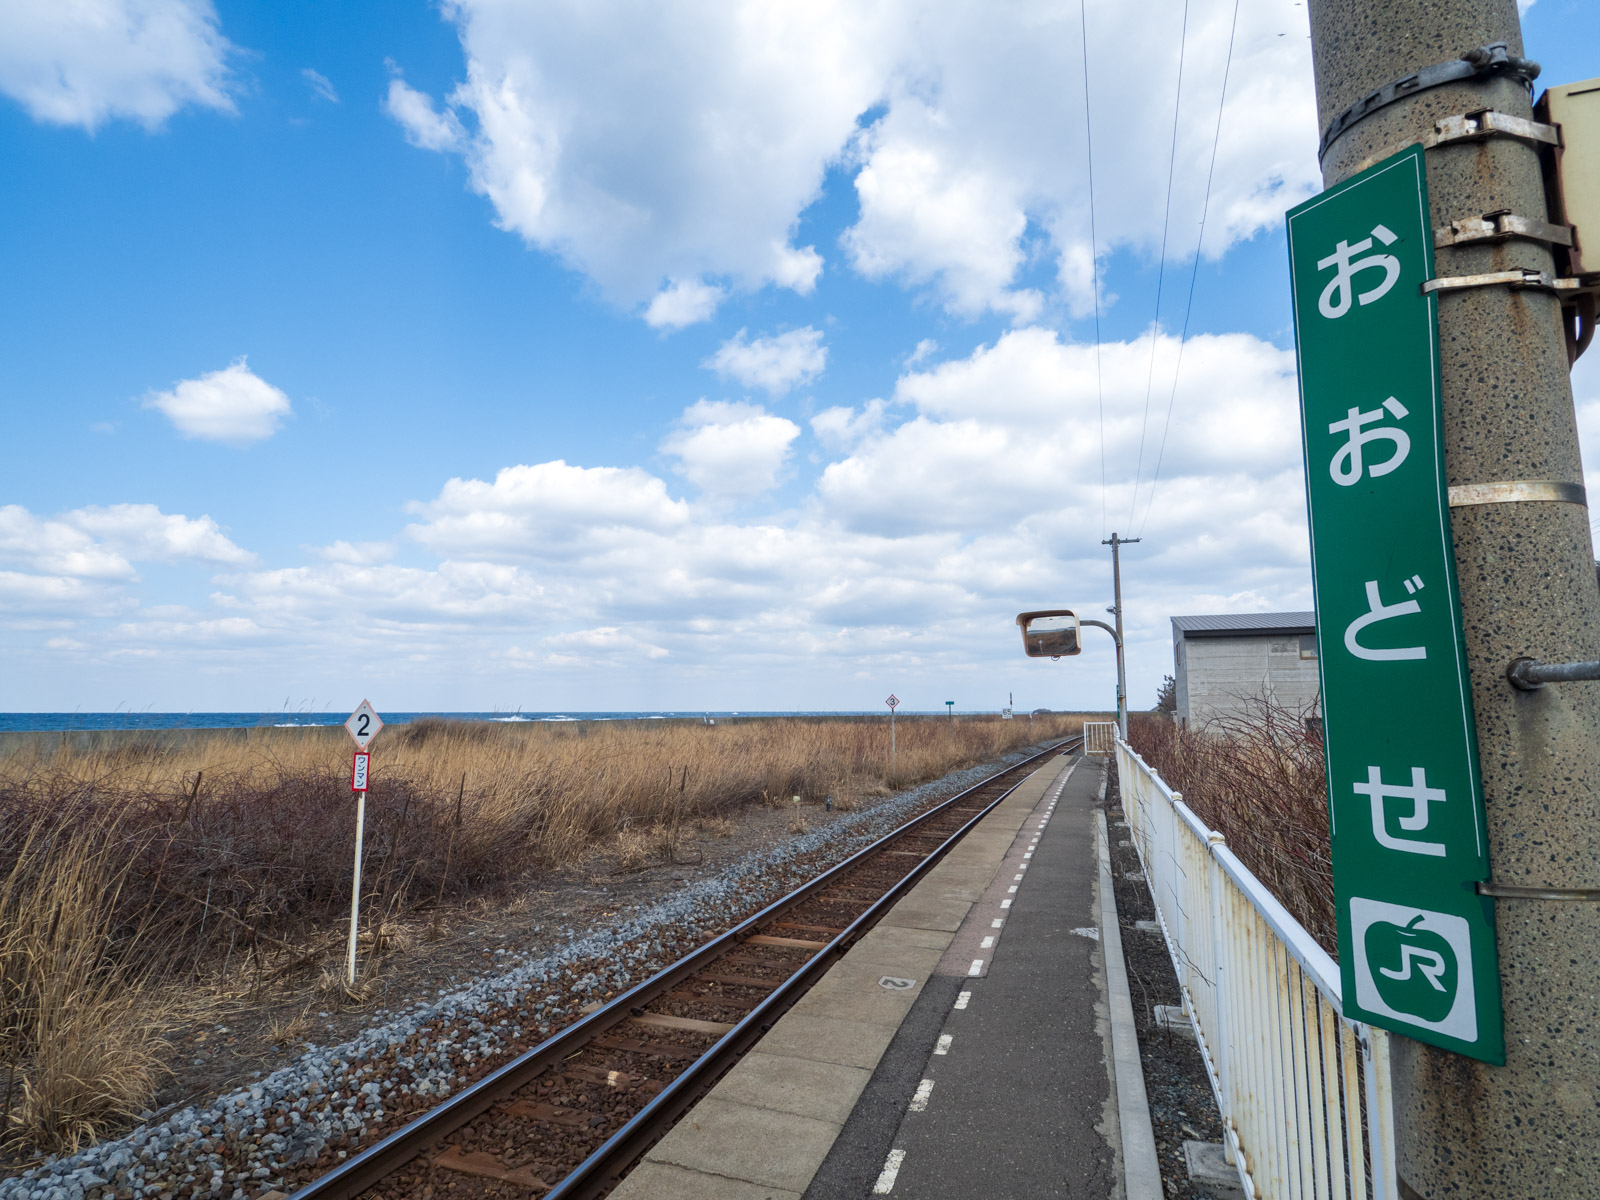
1222,1054
1380,1111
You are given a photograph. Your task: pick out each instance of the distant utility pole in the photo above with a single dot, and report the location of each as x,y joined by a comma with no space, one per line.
1391,74
1116,543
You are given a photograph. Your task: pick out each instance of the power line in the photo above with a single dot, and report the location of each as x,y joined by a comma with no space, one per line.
1205,206
1094,260
1161,268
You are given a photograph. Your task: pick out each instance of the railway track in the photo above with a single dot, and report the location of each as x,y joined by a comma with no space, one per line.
569,1117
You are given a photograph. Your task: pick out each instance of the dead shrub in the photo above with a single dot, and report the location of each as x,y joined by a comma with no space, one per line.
156,865
81,1045
1259,780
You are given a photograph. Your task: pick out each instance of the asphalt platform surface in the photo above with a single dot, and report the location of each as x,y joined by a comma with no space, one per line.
996,1084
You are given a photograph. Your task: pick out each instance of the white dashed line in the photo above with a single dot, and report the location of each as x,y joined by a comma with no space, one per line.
919,1102
987,943
996,923
944,1043
976,968
1013,887
1018,878
1006,903
891,1171
963,999
1027,854
1088,931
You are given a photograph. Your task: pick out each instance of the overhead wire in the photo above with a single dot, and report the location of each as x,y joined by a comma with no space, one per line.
1194,273
1161,267
1094,260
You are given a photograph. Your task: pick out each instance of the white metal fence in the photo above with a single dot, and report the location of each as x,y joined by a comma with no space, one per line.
1304,1093
1099,737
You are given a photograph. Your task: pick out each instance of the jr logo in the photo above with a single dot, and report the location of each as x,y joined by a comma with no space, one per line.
1414,964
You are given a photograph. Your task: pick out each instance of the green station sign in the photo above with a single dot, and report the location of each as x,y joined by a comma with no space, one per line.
1405,800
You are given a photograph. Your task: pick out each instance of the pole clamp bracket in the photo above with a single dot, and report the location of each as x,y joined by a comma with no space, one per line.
1491,60
1522,277
1479,125
1498,227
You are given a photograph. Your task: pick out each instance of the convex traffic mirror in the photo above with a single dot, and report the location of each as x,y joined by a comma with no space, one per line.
1050,633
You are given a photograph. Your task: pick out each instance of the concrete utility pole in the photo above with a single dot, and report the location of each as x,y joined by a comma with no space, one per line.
1530,1129
1116,582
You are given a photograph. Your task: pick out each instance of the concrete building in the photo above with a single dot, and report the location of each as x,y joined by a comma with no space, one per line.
1223,661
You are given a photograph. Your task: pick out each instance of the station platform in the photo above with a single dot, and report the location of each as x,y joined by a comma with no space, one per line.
962,1048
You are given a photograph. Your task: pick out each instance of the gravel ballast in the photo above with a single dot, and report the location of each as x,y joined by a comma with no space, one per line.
280,1131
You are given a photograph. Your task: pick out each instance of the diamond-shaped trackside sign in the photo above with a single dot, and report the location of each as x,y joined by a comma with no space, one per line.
893,701
364,724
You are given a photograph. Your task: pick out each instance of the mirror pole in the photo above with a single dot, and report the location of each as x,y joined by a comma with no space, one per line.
1116,580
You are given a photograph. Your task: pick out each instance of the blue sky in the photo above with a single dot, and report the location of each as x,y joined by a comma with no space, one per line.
604,356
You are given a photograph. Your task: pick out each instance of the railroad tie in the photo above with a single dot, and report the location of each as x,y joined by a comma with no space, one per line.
598,1075
486,1166
535,1110
687,1024
750,981
634,1046
712,998
831,929
764,939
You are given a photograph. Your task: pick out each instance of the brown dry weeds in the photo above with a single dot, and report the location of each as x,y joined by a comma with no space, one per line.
217,868
1259,780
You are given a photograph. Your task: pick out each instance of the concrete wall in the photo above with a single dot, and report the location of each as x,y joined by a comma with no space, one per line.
1216,675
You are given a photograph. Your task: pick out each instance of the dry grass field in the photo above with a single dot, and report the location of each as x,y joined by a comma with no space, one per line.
140,879
1259,780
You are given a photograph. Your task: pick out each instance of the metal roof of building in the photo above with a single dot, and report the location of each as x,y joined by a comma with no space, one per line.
1245,624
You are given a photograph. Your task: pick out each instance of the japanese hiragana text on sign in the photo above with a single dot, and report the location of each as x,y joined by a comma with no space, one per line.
1416,941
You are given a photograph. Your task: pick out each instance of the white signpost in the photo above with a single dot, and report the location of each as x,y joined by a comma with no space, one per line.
893,702
363,726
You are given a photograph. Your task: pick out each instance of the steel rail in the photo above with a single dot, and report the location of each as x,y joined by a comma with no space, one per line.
383,1158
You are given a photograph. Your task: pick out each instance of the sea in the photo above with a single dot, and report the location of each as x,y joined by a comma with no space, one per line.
36,722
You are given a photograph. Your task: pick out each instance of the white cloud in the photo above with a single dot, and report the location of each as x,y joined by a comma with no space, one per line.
356,553
104,542
683,302
79,565
548,510
644,144
425,126
972,493
641,142
233,405
606,645
1014,429
842,427
146,534
319,84
732,451
55,596
777,364
83,62
956,186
